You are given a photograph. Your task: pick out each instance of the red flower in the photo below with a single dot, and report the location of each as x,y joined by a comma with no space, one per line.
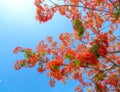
87,58
69,54
103,38
52,82
33,59
54,67
17,66
103,51
17,49
41,69
91,58
54,64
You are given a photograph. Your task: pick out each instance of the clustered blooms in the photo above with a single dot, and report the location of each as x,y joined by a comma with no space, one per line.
30,58
69,54
87,58
18,64
65,59
41,70
113,80
54,64
102,51
77,58
20,49
43,14
54,67
66,38
103,42
17,49
52,82
100,45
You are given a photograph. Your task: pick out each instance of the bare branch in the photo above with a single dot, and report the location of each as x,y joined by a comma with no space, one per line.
113,63
113,4
114,52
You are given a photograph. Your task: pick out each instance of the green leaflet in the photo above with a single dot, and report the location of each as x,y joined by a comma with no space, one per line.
22,65
81,31
117,14
79,27
94,49
43,53
68,57
101,77
77,62
27,54
55,67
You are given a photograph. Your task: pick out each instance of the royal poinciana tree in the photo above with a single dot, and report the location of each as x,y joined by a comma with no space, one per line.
92,49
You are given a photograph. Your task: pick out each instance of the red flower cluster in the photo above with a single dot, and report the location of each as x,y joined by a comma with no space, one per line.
20,49
103,39
28,62
103,51
42,16
87,58
54,67
100,45
65,38
69,54
19,64
52,82
41,70
43,13
113,80
17,49
32,59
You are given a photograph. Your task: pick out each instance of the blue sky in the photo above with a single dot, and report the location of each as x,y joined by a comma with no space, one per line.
18,27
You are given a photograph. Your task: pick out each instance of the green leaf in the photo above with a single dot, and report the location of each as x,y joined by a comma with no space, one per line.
117,14
79,27
97,79
77,23
81,31
55,67
68,57
94,49
22,64
43,53
101,77
77,62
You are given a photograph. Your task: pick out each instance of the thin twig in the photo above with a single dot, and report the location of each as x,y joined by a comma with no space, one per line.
113,62
113,4
114,52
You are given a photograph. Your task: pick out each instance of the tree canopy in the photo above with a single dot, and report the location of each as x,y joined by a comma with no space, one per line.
92,48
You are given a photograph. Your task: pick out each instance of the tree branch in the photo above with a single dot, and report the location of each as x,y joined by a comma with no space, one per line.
78,6
114,52
113,63
113,4
84,7
104,70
